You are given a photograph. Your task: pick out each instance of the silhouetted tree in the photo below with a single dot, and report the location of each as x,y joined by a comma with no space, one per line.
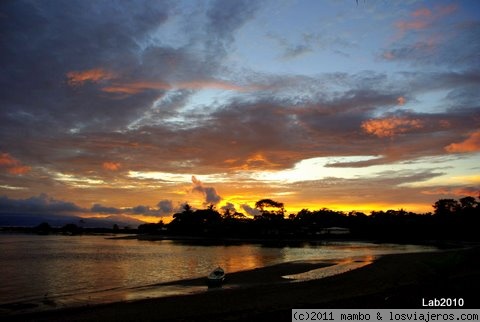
265,206
446,207
452,219
151,228
264,203
229,215
195,222
187,208
468,203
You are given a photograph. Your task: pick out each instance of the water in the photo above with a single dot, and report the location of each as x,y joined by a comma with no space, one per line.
77,270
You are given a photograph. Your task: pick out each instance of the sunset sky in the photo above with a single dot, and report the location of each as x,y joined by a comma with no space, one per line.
133,108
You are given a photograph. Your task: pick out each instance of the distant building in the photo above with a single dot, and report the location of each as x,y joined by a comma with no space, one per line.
335,231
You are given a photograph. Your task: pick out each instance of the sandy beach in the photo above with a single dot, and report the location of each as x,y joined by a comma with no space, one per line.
392,281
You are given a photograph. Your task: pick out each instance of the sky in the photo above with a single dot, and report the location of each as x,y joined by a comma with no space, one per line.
137,107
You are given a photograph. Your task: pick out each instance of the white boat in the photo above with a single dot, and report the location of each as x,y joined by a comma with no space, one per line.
216,277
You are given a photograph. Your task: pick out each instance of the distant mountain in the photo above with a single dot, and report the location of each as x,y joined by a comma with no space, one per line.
32,220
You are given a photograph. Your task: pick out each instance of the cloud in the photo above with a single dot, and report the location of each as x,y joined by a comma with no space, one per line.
98,208
12,165
424,17
385,189
392,126
434,38
112,166
90,43
296,51
107,64
453,191
276,130
164,209
422,12
77,78
229,206
211,195
137,87
291,50
411,25
471,144
40,204
250,211
223,18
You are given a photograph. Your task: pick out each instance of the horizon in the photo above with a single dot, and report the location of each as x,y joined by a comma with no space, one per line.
136,109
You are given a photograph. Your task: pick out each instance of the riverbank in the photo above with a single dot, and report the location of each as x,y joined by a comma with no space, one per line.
393,281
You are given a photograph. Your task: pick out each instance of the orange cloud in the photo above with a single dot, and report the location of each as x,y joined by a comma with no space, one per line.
19,170
12,165
401,100
112,166
77,78
391,126
422,12
254,161
411,25
137,87
471,144
423,18
445,124
6,160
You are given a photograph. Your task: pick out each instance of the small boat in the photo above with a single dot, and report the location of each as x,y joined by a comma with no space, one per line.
216,277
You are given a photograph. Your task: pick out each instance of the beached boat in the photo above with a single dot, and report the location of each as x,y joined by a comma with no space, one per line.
216,277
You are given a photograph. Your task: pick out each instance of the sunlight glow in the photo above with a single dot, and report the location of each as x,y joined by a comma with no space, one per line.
168,177
313,169
77,181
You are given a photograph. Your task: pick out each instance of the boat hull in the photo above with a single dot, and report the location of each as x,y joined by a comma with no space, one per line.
216,278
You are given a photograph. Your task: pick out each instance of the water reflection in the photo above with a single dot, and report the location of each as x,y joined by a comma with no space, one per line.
74,270
341,266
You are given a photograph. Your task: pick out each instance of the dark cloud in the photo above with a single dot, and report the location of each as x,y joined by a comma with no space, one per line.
164,208
458,46
268,132
290,50
211,195
223,19
296,51
250,211
40,204
64,37
98,208
229,206
61,37
127,44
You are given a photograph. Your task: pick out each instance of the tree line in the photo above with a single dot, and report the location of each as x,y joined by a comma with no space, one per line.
450,220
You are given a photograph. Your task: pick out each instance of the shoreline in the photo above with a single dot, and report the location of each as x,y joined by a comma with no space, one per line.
272,274
392,281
